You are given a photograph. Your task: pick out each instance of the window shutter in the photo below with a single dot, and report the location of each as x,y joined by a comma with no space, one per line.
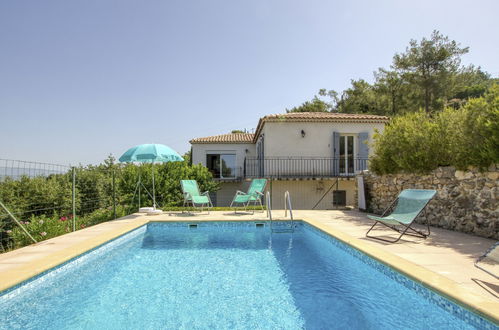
363,151
336,153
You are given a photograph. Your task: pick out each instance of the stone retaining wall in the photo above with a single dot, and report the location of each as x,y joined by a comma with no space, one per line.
466,201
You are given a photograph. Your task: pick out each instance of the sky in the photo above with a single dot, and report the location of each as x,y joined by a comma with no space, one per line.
83,79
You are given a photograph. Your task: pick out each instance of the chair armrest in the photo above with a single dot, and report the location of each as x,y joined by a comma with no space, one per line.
239,192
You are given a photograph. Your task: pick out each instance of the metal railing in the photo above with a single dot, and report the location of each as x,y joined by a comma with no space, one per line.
303,167
269,207
287,206
229,173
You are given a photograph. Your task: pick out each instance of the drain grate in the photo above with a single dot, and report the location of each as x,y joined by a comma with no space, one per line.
193,226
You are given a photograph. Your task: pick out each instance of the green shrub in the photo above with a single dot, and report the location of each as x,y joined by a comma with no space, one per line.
44,204
419,143
44,227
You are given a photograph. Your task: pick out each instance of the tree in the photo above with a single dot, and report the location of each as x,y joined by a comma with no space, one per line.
390,90
317,104
360,98
470,82
429,64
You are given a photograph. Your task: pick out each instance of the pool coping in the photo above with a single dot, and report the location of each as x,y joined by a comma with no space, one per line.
429,279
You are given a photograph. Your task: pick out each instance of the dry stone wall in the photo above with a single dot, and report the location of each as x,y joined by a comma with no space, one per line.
466,201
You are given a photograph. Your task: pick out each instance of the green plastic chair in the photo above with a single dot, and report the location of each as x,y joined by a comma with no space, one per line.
254,194
409,204
192,195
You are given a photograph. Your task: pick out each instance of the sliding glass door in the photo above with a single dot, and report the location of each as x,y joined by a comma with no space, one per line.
221,165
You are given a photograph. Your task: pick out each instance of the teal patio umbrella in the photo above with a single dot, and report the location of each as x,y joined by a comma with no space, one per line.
151,153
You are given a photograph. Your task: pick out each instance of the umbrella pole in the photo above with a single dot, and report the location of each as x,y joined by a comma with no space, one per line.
153,192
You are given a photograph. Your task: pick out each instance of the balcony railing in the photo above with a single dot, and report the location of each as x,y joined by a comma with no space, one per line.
228,173
297,167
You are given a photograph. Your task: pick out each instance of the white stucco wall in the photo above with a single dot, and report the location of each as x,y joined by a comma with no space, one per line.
199,151
283,139
306,193
228,190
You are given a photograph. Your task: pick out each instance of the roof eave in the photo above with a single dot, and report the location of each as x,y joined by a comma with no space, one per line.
265,119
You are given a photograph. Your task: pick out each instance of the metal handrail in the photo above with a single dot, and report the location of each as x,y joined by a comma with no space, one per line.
287,202
287,206
269,209
303,167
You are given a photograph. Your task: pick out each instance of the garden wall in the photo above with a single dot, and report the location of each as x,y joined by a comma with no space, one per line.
466,201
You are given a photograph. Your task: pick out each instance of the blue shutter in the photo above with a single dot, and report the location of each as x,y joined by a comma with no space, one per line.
362,151
336,153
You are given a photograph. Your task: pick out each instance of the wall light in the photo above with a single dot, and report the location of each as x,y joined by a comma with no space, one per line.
302,133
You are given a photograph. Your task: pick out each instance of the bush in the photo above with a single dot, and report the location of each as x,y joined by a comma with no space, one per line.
167,178
419,143
44,204
44,227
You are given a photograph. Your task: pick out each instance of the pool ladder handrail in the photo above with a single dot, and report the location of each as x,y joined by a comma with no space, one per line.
287,206
269,208
287,202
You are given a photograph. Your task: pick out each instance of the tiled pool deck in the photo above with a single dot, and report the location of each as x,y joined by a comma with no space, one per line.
444,261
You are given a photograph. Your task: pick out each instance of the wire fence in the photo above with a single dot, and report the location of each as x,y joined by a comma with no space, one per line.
16,169
42,200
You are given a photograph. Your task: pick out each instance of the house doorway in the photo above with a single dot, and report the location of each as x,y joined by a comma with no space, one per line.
347,146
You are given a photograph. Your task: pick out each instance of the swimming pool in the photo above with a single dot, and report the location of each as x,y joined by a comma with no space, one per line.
227,275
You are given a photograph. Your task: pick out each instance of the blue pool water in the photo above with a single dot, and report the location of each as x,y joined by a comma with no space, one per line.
223,275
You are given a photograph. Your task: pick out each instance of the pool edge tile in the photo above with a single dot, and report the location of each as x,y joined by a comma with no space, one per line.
25,271
429,279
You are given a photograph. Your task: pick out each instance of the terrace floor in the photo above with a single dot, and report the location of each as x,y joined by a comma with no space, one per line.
449,254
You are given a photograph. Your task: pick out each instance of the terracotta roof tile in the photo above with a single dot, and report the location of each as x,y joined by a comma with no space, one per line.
319,117
291,117
323,116
225,138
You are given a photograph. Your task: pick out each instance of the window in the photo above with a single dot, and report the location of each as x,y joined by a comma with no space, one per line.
221,165
346,154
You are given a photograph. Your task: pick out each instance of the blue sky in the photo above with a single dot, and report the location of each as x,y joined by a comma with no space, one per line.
82,79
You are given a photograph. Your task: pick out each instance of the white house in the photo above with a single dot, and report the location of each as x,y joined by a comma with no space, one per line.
313,155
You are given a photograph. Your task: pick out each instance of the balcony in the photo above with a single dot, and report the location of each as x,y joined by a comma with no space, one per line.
298,167
227,174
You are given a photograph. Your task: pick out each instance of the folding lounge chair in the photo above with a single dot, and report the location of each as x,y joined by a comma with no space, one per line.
408,206
254,194
192,195
489,262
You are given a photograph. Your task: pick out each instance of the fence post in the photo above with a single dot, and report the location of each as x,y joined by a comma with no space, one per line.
17,222
114,194
73,197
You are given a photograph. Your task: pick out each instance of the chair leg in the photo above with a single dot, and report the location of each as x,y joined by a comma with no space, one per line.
417,233
382,239
261,205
